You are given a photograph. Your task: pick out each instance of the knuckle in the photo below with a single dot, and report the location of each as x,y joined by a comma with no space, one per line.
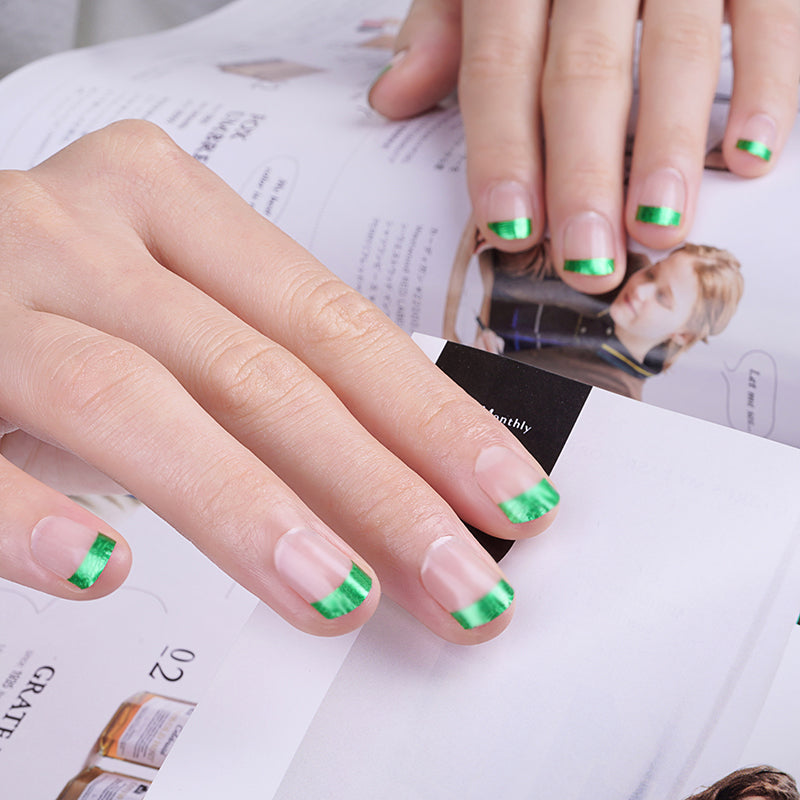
135,152
252,380
96,381
331,314
452,418
591,179
28,212
685,140
586,55
689,38
229,490
497,54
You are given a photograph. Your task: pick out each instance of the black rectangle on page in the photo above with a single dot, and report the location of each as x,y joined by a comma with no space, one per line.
538,407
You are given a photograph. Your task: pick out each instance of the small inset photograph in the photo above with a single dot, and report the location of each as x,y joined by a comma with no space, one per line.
516,304
271,70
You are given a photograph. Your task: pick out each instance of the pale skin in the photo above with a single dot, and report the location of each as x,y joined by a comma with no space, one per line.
545,90
159,335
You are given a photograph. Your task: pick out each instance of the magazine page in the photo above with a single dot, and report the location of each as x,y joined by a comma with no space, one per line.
141,656
274,101
741,366
654,621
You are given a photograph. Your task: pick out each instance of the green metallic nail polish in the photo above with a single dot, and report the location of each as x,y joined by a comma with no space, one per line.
486,609
755,149
94,563
532,504
346,597
659,215
519,228
590,266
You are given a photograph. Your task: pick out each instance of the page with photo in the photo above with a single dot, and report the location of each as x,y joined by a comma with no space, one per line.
94,695
275,103
654,623
706,329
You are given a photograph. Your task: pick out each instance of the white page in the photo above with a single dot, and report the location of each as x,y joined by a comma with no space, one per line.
166,630
650,621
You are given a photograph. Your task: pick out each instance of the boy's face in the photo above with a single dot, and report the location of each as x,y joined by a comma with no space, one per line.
656,303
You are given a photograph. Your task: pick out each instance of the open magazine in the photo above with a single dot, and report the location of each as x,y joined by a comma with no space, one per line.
673,583
274,101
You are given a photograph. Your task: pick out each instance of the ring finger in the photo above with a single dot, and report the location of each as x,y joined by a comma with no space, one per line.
678,76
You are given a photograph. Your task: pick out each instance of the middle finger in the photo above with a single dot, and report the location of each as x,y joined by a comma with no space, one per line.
586,96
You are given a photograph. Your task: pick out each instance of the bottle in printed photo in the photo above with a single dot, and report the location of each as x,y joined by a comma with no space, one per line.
97,784
144,728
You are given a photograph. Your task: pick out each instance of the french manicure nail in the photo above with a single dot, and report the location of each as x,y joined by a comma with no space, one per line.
516,487
662,199
469,588
321,573
758,137
509,211
589,245
71,550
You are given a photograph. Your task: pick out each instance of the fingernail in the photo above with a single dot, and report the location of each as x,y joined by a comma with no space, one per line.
508,209
518,488
589,245
662,199
71,550
320,573
473,591
758,137
393,62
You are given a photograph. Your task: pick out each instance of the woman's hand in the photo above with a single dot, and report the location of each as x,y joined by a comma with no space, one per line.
545,90
158,329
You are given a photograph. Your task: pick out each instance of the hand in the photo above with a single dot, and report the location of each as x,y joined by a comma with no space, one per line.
157,328
577,76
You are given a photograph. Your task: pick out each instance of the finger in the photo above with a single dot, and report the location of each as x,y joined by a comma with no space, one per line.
586,101
270,402
678,75
371,365
52,544
424,68
766,55
499,85
112,405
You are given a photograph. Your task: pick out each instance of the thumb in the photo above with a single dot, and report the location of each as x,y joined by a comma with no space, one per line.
424,69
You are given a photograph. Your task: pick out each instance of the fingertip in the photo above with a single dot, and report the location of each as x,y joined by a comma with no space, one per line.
81,558
658,212
590,253
511,215
524,500
749,147
417,77
469,587
330,593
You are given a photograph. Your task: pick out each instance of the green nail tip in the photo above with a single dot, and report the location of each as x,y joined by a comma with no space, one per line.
486,609
755,149
659,215
94,562
512,228
347,597
590,266
531,504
